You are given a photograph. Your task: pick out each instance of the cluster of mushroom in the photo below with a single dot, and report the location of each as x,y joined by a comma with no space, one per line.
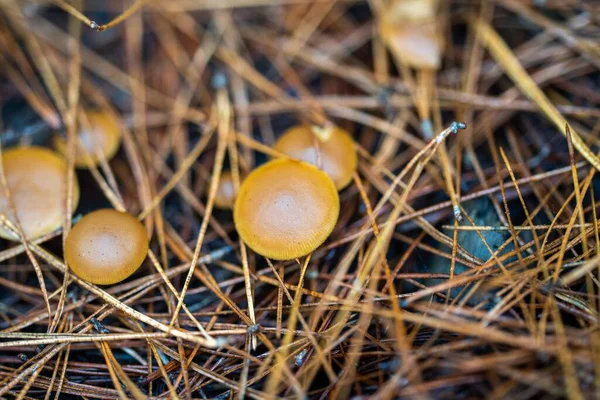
287,207
284,209
105,246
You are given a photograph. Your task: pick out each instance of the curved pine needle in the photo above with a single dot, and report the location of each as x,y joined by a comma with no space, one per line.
132,9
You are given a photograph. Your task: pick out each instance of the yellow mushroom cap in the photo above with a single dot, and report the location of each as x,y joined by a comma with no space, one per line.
338,155
36,179
106,247
102,136
225,196
412,31
419,44
412,10
286,209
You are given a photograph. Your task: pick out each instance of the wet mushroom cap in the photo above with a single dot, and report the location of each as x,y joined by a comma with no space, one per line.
286,209
338,155
106,247
36,179
225,196
101,136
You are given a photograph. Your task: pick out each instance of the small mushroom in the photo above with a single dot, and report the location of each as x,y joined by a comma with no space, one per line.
412,10
336,148
106,247
412,31
36,179
418,44
101,136
225,196
285,209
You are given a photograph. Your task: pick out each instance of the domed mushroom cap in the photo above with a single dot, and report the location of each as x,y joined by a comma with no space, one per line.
286,209
413,10
36,179
338,155
106,247
102,136
412,31
225,196
417,43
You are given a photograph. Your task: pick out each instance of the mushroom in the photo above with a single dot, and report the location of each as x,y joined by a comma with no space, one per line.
285,209
225,196
412,31
36,179
106,246
335,146
102,135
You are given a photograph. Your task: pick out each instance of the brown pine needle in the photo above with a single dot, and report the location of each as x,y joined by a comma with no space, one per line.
132,9
513,68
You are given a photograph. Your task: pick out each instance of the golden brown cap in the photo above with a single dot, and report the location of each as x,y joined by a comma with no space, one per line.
103,135
286,209
411,29
225,196
338,155
36,180
106,247
412,10
416,43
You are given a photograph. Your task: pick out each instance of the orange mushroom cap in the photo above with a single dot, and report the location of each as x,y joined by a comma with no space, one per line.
417,43
106,247
102,136
36,179
338,155
412,10
225,196
413,33
286,209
